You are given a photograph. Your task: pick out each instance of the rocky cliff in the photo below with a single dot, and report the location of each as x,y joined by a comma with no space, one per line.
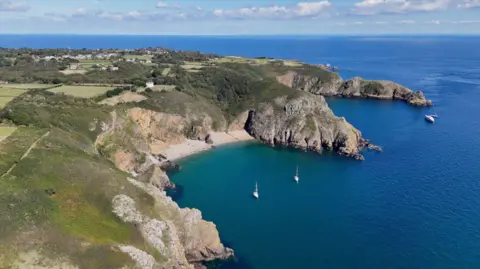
304,121
134,141
333,85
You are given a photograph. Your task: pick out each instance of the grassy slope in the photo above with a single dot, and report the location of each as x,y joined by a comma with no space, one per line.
81,91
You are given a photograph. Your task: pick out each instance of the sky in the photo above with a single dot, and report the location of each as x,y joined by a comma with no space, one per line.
240,17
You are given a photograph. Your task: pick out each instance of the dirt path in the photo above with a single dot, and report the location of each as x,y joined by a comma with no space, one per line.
32,146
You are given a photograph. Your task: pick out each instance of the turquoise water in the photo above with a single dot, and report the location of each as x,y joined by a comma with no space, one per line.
416,205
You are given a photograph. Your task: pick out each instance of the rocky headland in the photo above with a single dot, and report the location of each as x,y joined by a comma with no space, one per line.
92,193
353,88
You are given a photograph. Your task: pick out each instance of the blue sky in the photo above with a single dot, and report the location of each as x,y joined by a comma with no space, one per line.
220,17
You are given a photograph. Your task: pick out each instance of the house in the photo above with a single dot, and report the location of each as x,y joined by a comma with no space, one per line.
148,61
113,68
73,67
3,82
104,68
150,84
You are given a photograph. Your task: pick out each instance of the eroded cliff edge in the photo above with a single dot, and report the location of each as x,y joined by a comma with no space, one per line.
331,84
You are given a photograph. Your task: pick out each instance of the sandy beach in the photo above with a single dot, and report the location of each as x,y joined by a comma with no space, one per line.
190,147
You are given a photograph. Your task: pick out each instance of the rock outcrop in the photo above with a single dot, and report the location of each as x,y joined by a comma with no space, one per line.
187,237
304,122
332,85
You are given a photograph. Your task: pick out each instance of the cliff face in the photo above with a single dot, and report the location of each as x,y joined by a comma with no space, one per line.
304,122
333,85
134,141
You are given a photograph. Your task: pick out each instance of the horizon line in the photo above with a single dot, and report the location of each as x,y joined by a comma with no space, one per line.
252,35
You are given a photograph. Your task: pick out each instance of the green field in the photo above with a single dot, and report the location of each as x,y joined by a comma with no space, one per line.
81,91
164,88
139,57
92,62
193,66
6,131
25,86
87,64
166,71
7,95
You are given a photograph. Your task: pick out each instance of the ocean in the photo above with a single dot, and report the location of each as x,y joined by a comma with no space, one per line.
415,205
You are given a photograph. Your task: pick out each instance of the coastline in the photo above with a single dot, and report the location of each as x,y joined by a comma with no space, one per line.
191,147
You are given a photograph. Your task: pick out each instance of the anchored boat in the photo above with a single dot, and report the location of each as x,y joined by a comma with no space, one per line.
255,193
296,178
431,118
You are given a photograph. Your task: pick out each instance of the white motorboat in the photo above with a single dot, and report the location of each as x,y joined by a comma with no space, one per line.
430,118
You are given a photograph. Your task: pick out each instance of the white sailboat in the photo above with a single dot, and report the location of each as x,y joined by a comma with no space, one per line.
255,193
296,176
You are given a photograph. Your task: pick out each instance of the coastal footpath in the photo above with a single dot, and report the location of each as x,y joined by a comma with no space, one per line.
92,193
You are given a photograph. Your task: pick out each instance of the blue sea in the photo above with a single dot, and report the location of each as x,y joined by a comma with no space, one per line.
416,205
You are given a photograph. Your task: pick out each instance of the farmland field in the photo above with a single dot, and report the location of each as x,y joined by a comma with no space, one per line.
92,62
6,131
139,57
7,95
81,91
26,86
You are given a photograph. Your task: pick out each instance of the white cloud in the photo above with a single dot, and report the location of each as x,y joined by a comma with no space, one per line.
470,4
381,22
372,7
161,4
80,11
303,9
311,9
358,22
434,22
406,22
7,5
134,14
465,22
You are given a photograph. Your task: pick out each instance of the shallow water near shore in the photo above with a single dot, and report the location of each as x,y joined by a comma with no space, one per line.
416,205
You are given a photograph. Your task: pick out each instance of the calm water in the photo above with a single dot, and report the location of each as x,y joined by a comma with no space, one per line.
416,205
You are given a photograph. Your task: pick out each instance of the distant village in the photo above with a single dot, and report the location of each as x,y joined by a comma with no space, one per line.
103,60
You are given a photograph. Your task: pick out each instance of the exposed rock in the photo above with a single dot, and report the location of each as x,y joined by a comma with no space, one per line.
208,139
304,122
141,258
157,177
162,129
332,85
124,97
198,237
239,122
170,166
162,235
